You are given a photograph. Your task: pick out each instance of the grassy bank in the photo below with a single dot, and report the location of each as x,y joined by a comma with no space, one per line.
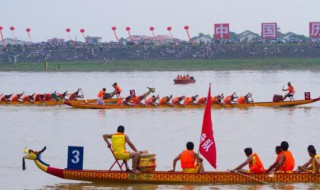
173,65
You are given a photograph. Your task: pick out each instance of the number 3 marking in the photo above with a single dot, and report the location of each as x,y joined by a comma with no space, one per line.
76,155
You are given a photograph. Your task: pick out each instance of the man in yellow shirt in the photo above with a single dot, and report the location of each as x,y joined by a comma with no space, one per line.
119,141
313,165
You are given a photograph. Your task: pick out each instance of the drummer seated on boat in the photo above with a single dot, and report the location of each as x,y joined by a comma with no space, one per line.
17,97
119,141
286,162
273,166
217,99
202,101
125,101
190,161
290,90
178,100
254,162
230,99
152,100
313,165
191,100
166,101
5,98
245,99
100,97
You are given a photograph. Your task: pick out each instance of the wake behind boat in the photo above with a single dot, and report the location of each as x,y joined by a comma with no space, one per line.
107,176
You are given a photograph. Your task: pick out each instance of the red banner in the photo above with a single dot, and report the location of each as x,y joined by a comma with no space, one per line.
221,31
207,145
314,29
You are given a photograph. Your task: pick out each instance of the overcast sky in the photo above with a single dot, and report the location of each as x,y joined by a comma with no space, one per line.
50,18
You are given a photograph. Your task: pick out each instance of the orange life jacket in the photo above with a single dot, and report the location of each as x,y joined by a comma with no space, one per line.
100,94
291,89
187,159
15,98
175,100
289,163
202,100
188,101
163,100
278,160
150,100
241,100
214,100
136,100
118,89
120,101
256,165
227,100
26,98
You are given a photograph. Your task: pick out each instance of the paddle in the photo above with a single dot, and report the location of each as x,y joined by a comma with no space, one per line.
249,177
83,96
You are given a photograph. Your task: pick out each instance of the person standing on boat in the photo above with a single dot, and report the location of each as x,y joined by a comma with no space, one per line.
273,166
166,101
290,90
100,97
286,162
119,141
245,99
190,161
230,99
202,101
255,164
177,100
117,89
313,165
190,100
152,100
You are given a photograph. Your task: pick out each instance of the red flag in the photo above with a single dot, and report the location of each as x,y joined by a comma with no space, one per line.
207,145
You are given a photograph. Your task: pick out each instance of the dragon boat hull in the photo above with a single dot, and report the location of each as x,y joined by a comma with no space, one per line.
179,177
184,81
214,106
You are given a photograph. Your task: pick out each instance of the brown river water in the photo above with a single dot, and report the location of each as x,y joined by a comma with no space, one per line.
160,131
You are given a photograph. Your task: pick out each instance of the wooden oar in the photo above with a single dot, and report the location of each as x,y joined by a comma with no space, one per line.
249,177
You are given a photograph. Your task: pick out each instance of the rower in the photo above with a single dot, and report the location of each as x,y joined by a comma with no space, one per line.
125,101
273,166
28,98
313,165
254,162
190,100
286,162
137,100
245,99
117,89
166,101
230,99
202,101
177,100
190,161
39,97
217,99
5,98
62,95
75,95
152,100
17,97
47,97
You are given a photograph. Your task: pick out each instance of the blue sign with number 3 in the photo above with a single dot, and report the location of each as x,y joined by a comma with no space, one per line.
75,157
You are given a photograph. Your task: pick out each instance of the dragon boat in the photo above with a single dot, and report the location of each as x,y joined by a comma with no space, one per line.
57,102
164,176
184,80
214,106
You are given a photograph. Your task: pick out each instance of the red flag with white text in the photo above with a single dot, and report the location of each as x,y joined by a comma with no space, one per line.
207,145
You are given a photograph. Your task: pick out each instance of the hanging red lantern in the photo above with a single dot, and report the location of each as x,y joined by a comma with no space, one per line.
82,30
114,28
68,30
28,29
12,28
152,28
128,28
186,27
169,28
